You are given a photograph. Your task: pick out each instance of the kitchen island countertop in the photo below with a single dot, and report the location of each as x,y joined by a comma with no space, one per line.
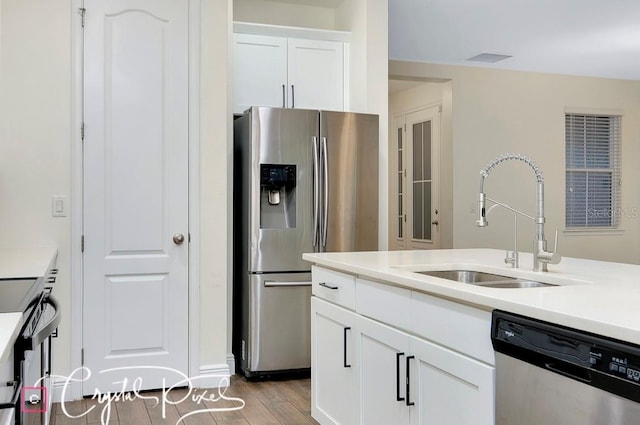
593,296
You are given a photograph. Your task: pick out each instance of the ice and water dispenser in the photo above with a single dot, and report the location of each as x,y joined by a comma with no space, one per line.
277,196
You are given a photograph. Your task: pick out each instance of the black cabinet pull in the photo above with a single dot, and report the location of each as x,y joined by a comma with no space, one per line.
409,402
283,96
398,398
345,347
293,96
326,285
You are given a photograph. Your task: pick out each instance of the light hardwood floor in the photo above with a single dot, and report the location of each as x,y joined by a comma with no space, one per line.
266,403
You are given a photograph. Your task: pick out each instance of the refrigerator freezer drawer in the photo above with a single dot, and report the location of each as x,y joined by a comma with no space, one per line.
278,335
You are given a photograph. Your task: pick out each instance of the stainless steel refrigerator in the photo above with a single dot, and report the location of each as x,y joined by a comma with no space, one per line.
304,181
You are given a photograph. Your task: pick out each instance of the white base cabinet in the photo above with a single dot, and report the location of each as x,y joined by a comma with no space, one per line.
333,356
449,388
383,390
367,372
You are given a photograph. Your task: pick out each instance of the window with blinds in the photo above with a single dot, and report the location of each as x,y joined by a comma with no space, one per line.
592,171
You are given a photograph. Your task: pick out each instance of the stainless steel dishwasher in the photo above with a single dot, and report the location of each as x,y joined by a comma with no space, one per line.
552,375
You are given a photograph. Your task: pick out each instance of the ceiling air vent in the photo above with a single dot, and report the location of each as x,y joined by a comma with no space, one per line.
489,58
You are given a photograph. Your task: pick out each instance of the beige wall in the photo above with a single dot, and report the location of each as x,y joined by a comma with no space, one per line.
506,111
288,14
425,95
216,159
36,144
35,132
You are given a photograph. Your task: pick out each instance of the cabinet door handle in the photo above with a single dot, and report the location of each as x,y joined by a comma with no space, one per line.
398,398
408,401
326,285
293,96
345,347
284,95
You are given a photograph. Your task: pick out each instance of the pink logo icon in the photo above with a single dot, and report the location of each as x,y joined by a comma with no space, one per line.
32,402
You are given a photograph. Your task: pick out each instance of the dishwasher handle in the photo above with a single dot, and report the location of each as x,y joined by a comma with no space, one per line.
570,371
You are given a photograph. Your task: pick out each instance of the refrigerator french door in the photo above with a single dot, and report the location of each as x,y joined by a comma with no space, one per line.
304,181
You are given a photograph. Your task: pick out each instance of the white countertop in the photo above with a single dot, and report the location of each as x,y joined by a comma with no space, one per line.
20,263
594,296
27,262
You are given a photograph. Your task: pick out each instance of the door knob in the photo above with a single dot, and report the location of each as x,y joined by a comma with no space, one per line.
435,222
178,238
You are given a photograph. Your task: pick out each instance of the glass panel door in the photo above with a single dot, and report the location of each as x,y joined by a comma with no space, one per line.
422,181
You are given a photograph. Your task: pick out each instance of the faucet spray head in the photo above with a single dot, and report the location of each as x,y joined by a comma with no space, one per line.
482,214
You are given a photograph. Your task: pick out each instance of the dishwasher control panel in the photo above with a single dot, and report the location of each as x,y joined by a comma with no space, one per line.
615,362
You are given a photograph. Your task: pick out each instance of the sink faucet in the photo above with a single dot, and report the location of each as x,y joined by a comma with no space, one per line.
541,257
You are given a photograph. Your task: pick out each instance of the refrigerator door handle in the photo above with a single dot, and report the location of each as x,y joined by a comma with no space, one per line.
275,284
316,191
325,202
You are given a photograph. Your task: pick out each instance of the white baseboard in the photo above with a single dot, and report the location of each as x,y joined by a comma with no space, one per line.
73,390
231,361
213,376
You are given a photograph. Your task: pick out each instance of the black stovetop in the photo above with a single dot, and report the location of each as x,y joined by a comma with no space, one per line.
15,294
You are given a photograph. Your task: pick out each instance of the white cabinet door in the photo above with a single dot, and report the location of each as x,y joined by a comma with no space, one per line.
259,71
449,388
382,361
334,369
316,74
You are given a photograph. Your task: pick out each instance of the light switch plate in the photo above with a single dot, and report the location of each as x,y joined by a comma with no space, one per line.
59,206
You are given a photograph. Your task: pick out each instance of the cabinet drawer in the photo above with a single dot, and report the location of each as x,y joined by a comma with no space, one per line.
339,288
460,327
384,303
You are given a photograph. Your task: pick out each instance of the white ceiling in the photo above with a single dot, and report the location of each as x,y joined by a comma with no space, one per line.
580,37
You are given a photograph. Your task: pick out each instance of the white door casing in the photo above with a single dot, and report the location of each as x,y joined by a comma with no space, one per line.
135,278
415,159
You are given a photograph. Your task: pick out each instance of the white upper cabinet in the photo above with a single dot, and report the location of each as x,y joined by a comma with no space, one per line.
259,71
288,72
316,74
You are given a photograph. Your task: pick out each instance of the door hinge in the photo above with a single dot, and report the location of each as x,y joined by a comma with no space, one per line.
188,237
82,132
82,11
82,243
405,218
82,357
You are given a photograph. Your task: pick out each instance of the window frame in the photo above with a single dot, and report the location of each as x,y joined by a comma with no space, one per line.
614,169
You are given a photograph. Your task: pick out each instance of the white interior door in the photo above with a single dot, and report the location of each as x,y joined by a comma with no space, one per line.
135,278
422,142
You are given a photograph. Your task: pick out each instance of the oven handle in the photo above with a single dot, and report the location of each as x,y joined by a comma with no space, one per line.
48,329
13,404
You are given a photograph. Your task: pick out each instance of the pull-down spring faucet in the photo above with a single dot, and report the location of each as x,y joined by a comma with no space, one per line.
541,257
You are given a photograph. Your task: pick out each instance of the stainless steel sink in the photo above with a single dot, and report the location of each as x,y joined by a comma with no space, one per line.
485,279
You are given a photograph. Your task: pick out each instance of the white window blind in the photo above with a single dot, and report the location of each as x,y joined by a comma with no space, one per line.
592,170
